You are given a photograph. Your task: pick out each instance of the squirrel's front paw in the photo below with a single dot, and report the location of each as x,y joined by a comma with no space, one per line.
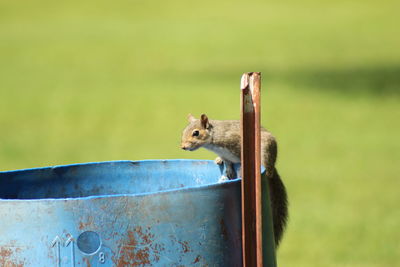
222,179
218,161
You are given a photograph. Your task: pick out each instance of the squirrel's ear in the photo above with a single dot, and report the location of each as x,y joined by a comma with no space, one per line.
204,121
190,118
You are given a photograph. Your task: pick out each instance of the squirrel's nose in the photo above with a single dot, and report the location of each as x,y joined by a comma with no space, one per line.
185,146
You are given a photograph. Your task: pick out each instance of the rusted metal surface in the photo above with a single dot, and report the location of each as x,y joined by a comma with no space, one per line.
151,213
251,166
257,237
9,257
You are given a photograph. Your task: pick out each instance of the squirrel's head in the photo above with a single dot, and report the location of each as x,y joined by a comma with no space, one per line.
197,133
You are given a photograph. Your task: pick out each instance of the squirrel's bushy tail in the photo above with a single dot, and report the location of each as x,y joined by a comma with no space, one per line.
279,205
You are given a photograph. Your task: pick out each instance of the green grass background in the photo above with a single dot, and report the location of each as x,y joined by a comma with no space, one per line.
84,81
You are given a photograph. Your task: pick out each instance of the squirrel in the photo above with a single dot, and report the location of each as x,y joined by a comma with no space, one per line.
223,137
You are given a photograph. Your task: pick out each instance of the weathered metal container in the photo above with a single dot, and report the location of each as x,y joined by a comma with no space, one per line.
123,213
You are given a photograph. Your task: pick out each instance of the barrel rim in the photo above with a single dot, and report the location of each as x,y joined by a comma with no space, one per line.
208,186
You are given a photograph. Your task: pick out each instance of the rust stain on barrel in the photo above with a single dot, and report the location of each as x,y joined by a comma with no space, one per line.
87,261
138,248
224,232
185,246
6,257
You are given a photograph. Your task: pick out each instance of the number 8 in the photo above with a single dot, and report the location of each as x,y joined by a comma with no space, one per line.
102,257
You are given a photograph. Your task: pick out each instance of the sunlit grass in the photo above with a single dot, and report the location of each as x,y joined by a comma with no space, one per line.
94,81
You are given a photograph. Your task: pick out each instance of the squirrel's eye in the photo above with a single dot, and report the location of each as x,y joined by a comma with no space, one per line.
195,133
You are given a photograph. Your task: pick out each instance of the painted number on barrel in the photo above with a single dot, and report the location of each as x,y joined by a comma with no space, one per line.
102,257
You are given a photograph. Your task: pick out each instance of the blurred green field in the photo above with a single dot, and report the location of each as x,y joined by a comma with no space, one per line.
98,80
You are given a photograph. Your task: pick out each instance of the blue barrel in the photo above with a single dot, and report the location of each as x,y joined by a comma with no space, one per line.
121,213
